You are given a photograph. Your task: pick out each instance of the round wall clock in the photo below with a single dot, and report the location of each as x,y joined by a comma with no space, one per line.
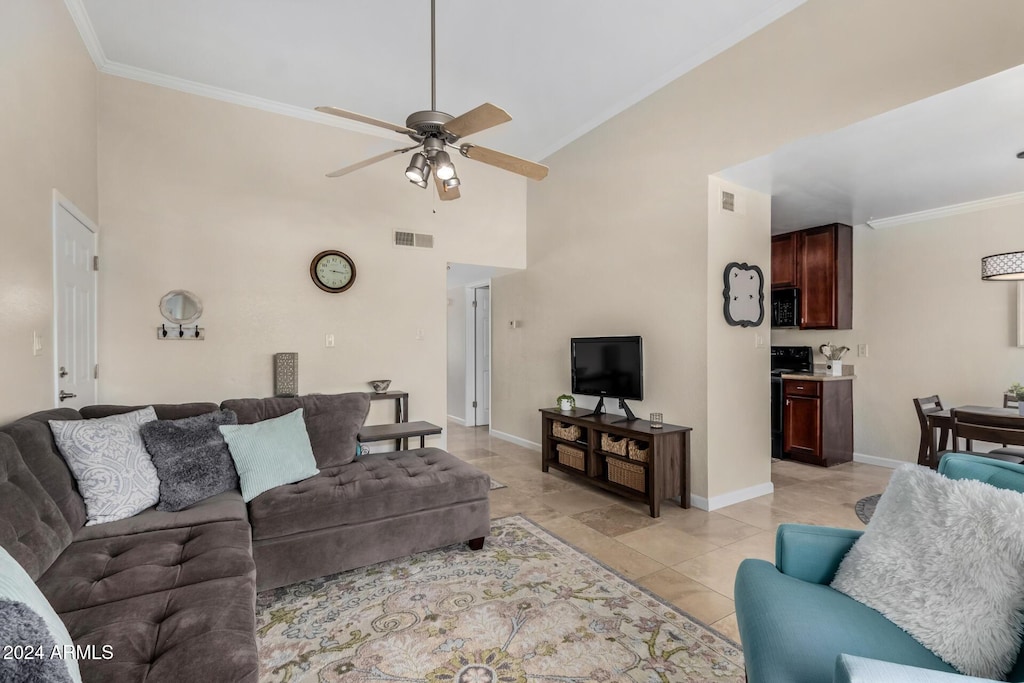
332,271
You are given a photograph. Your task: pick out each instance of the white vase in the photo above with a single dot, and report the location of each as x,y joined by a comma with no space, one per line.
1020,407
565,405
834,368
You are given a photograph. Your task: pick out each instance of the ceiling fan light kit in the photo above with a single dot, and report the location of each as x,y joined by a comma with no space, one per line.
433,130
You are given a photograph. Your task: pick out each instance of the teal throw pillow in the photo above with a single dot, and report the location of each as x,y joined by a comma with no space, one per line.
270,453
17,586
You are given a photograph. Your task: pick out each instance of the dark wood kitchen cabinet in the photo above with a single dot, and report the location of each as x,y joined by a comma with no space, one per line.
785,271
817,421
818,261
826,277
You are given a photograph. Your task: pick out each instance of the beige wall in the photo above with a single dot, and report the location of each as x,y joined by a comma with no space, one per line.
457,352
739,427
931,325
622,220
231,203
47,142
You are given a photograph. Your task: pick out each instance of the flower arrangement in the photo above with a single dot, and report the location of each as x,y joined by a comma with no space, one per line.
833,352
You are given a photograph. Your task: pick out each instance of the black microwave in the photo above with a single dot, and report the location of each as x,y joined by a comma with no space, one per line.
786,307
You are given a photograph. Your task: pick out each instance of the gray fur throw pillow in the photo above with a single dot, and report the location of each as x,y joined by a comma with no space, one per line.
191,458
31,655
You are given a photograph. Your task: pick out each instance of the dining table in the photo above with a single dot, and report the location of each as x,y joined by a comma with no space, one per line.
940,424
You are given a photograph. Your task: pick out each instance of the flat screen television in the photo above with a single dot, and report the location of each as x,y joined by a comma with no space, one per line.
608,366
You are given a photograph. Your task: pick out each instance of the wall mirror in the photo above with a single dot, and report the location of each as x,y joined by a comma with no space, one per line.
181,307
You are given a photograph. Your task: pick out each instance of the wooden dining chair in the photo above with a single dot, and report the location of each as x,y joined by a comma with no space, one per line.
1004,429
926,449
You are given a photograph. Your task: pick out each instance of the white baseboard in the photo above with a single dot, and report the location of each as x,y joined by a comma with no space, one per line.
457,420
516,440
880,462
731,498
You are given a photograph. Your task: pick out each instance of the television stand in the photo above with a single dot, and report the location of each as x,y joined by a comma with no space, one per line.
636,461
598,409
630,417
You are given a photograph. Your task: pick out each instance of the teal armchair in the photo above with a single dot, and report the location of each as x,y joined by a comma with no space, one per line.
795,629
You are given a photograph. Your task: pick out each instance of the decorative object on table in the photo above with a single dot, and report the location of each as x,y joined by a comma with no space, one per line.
332,271
286,374
657,421
380,386
182,310
744,295
928,538
865,507
1017,390
834,356
1007,266
457,615
566,402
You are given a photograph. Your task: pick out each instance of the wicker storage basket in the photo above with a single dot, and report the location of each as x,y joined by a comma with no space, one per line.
614,444
565,431
569,456
639,450
626,474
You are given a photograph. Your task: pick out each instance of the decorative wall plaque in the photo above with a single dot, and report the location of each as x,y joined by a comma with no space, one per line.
286,374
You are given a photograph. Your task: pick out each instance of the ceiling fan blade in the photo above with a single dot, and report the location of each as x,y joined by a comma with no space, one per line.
475,120
445,194
364,119
504,161
367,162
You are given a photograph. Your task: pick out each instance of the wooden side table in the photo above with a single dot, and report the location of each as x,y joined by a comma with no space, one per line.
401,432
401,399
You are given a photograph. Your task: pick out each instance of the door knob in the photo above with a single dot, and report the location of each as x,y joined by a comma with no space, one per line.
65,395
62,372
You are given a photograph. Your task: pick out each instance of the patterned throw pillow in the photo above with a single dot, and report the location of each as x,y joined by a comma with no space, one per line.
114,472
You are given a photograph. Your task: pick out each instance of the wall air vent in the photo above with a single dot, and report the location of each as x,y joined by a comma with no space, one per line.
414,239
728,201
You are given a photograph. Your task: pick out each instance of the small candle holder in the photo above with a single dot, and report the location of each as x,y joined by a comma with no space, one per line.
657,421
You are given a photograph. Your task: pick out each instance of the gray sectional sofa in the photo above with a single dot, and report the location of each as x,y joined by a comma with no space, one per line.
173,593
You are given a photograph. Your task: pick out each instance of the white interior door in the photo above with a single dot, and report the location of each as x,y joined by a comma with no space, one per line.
75,309
483,356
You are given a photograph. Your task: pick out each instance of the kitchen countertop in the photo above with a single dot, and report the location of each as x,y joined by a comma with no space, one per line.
817,376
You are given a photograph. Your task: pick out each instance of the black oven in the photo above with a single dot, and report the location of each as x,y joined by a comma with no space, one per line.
786,307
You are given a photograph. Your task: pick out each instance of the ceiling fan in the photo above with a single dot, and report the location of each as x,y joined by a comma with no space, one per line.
433,131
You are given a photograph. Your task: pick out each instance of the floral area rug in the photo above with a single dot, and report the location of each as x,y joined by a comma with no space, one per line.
526,608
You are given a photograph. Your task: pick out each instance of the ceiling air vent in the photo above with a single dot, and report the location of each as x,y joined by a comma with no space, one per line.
728,201
413,239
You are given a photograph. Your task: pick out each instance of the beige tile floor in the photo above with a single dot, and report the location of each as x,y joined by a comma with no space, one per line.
688,557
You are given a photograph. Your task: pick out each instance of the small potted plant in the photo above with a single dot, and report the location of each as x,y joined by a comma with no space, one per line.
566,403
1018,391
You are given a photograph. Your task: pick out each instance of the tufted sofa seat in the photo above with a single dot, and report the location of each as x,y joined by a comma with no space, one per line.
173,594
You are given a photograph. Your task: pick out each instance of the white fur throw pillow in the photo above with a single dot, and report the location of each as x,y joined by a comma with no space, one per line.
943,559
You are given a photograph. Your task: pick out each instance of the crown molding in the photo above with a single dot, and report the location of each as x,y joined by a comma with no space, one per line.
944,211
88,33
233,97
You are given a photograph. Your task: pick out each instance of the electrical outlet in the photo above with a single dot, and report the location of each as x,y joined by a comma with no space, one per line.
329,341
862,350
419,335
758,340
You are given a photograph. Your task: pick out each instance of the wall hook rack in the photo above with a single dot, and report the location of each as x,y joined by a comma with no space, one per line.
181,332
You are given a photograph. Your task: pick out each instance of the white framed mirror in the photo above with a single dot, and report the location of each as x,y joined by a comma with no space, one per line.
181,307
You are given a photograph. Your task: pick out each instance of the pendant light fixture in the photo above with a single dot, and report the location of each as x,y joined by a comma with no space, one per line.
1008,266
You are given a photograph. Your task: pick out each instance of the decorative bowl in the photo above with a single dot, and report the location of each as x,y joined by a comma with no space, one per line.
380,385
